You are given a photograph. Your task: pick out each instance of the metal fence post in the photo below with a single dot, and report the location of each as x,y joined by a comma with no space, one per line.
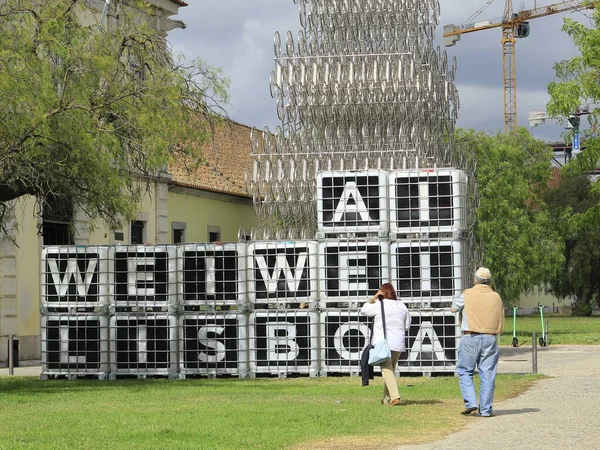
534,353
11,368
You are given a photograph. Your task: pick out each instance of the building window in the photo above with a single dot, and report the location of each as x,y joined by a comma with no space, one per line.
178,232
214,233
138,230
56,222
178,236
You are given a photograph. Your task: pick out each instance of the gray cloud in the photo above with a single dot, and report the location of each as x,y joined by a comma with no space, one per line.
237,36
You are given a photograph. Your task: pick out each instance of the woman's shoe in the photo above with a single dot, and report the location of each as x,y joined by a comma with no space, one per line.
395,402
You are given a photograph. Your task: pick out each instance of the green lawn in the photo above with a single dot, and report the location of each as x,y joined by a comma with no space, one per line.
562,330
299,413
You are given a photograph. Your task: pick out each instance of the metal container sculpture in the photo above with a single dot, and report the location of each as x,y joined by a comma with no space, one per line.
361,87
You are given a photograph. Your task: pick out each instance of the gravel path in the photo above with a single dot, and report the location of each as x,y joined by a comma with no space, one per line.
557,413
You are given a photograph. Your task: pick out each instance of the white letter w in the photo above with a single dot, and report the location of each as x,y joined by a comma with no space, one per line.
281,265
72,271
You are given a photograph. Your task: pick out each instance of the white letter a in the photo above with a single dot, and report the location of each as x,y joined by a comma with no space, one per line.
357,205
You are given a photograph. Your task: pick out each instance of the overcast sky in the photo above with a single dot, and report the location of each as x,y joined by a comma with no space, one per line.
237,36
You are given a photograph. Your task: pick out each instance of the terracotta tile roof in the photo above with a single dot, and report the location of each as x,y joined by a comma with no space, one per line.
227,158
180,2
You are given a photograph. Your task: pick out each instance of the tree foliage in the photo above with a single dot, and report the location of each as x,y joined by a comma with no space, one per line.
89,108
574,208
513,228
575,202
578,83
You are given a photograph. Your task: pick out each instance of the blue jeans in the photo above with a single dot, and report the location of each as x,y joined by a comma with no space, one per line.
481,351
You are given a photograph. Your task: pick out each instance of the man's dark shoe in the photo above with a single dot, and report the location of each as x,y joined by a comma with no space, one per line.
470,410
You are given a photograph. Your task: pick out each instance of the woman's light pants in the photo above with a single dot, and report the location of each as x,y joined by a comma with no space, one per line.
390,388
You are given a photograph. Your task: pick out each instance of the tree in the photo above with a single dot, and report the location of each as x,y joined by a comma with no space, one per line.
575,202
89,110
574,207
578,82
513,228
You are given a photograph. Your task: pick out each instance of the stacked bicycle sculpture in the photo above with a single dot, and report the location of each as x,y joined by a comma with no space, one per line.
360,88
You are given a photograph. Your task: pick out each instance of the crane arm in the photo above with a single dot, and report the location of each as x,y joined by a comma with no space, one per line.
556,8
570,5
453,30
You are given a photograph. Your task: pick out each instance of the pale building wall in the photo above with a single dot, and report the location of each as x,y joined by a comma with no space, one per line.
539,298
100,236
20,284
227,212
154,210
161,21
28,276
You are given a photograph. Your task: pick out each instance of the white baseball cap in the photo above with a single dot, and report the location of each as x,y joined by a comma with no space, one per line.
483,273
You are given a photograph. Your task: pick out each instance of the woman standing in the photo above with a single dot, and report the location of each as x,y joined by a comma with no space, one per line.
397,320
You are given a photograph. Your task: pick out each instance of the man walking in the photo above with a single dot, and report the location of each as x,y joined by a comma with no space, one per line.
482,320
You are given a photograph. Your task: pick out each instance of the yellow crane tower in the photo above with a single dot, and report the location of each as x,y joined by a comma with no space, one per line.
514,25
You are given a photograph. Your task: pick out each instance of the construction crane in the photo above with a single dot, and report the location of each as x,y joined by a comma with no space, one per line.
514,26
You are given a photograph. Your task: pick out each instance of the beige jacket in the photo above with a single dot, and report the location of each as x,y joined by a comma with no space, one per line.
483,310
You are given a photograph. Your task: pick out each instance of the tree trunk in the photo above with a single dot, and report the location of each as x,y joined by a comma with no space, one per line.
582,306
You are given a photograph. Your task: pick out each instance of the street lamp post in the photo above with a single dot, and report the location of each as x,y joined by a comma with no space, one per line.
574,121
